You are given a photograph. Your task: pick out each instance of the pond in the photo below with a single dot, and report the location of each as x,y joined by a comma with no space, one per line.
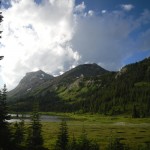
43,118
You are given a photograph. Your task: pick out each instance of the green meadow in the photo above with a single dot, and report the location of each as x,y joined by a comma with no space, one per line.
133,132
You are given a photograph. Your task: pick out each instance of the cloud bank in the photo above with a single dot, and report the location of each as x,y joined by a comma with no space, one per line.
127,7
106,39
56,35
37,37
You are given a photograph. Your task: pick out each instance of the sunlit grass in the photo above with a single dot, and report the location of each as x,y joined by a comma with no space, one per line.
100,128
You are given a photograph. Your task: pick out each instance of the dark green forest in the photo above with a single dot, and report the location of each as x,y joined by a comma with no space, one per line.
112,93
14,136
28,136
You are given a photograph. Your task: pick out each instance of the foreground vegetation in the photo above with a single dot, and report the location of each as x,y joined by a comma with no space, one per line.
133,132
81,132
111,93
102,130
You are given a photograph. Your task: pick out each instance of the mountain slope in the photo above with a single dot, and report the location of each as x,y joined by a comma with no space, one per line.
31,81
85,70
40,80
83,90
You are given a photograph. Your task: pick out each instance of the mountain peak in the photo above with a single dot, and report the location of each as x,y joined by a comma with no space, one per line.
31,81
35,77
35,72
83,70
87,70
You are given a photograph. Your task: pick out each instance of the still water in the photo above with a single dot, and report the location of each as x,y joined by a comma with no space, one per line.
43,118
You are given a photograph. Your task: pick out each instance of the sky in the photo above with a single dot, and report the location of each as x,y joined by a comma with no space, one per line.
57,35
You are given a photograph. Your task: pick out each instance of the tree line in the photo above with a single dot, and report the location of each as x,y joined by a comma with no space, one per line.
109,94
18,136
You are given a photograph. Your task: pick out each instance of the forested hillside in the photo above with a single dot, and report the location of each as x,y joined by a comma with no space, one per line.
110,93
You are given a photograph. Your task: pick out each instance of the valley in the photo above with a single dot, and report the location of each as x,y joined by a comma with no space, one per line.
98,106
87,88
133,132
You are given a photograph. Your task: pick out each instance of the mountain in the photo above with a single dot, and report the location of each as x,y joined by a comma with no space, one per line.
40,79
85,70
31,81
90,88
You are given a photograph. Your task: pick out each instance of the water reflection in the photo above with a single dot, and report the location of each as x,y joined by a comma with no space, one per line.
43,118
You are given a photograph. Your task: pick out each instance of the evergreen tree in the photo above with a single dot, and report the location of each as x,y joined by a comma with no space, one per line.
115,144
148,108
5,134
62,139
135,113
34,139
86,144
3,107
19,135
73,144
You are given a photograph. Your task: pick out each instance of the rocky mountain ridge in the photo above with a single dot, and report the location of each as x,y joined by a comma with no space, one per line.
90,88
29,82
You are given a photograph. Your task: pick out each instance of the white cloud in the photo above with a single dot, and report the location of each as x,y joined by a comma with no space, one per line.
36,37
90,12
104,11
80,8
106,39
57,35
127,7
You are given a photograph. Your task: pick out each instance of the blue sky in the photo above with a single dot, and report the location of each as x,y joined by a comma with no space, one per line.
115,4
57,35
109,5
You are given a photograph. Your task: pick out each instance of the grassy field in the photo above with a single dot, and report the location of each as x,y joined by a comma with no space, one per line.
133,132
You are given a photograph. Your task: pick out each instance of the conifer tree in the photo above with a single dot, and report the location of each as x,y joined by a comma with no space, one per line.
35,140
5,134
115,144
73,144
62,139
19,134
4,110
135,112
86,144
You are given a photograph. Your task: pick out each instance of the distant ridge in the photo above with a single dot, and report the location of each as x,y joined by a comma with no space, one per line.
29,82
89,88
33,80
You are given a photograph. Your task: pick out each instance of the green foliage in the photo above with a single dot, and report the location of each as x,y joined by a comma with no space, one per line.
3,107
86,144
62,139
142,84
83,143
19,135
135,112
73,145
115,144
5,133
34,139
111,93
145,146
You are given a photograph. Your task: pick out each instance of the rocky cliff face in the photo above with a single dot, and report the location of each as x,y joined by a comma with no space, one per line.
31,81
40,80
